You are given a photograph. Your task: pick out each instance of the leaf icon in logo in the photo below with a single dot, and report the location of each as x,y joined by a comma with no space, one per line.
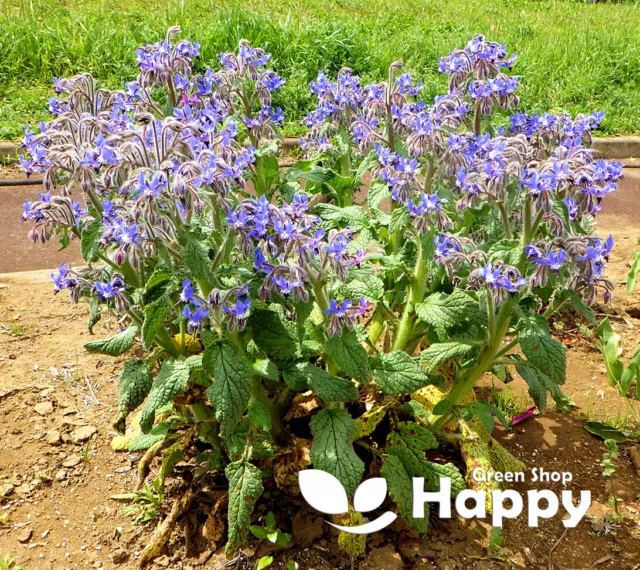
370,495
323,492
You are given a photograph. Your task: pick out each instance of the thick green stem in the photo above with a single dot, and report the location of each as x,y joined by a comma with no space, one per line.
505,220
323,303
414,296
477,121
376,327
466,382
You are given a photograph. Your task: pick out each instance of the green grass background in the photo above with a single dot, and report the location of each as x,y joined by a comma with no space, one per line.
573,56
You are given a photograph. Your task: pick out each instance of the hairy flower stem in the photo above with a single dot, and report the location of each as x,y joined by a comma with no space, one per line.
323,303
376,327
95,201
477,121
467,381
414,296
505,220
172,91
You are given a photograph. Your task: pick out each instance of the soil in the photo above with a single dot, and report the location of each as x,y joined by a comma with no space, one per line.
56,486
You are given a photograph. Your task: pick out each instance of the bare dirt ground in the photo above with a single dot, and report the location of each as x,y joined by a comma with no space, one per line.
58,471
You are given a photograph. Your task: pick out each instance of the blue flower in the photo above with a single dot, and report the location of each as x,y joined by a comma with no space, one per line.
187,294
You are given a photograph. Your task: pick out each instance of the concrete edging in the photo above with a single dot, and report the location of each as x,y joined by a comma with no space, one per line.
608,147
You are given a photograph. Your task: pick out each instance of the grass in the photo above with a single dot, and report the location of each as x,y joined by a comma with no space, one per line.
573,55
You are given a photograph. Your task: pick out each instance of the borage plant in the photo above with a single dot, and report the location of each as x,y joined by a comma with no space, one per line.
280,319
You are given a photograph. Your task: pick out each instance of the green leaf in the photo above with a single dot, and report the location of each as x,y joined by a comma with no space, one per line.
158,278
245,488
441,352
332,448
195,255
378,193
355,217
133,387
442,407
349,355
259,532
264,562
446,311
90,241
539,385
171,381
398,373
611,348
146,440
633,273
170,458
606,432
316,175
265,368
400,487
545,353
399,219
372,289
231,387
94,313
509,251
154,315
274,334
409,442
259,415
116,345
433,472
324,385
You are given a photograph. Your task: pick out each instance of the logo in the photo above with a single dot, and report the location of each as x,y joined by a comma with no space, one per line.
327,495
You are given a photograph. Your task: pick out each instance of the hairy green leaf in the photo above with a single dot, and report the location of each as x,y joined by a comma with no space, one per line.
231,387
397,373
400,487
372,289
154,315
90,241
172,380
195,255
274,334
446,311
539,385
265,368
354,217
441,352
349,355
259,415
545,353
332,448
324,385
378,193
116,345
245,488
133,386
399,220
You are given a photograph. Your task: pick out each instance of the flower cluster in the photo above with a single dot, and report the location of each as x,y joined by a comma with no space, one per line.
289,246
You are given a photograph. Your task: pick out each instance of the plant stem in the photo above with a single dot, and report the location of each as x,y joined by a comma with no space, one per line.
464,384
277,427
505,220
376,327
477,121
414,296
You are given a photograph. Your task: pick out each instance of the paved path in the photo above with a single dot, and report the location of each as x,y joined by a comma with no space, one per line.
17,253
